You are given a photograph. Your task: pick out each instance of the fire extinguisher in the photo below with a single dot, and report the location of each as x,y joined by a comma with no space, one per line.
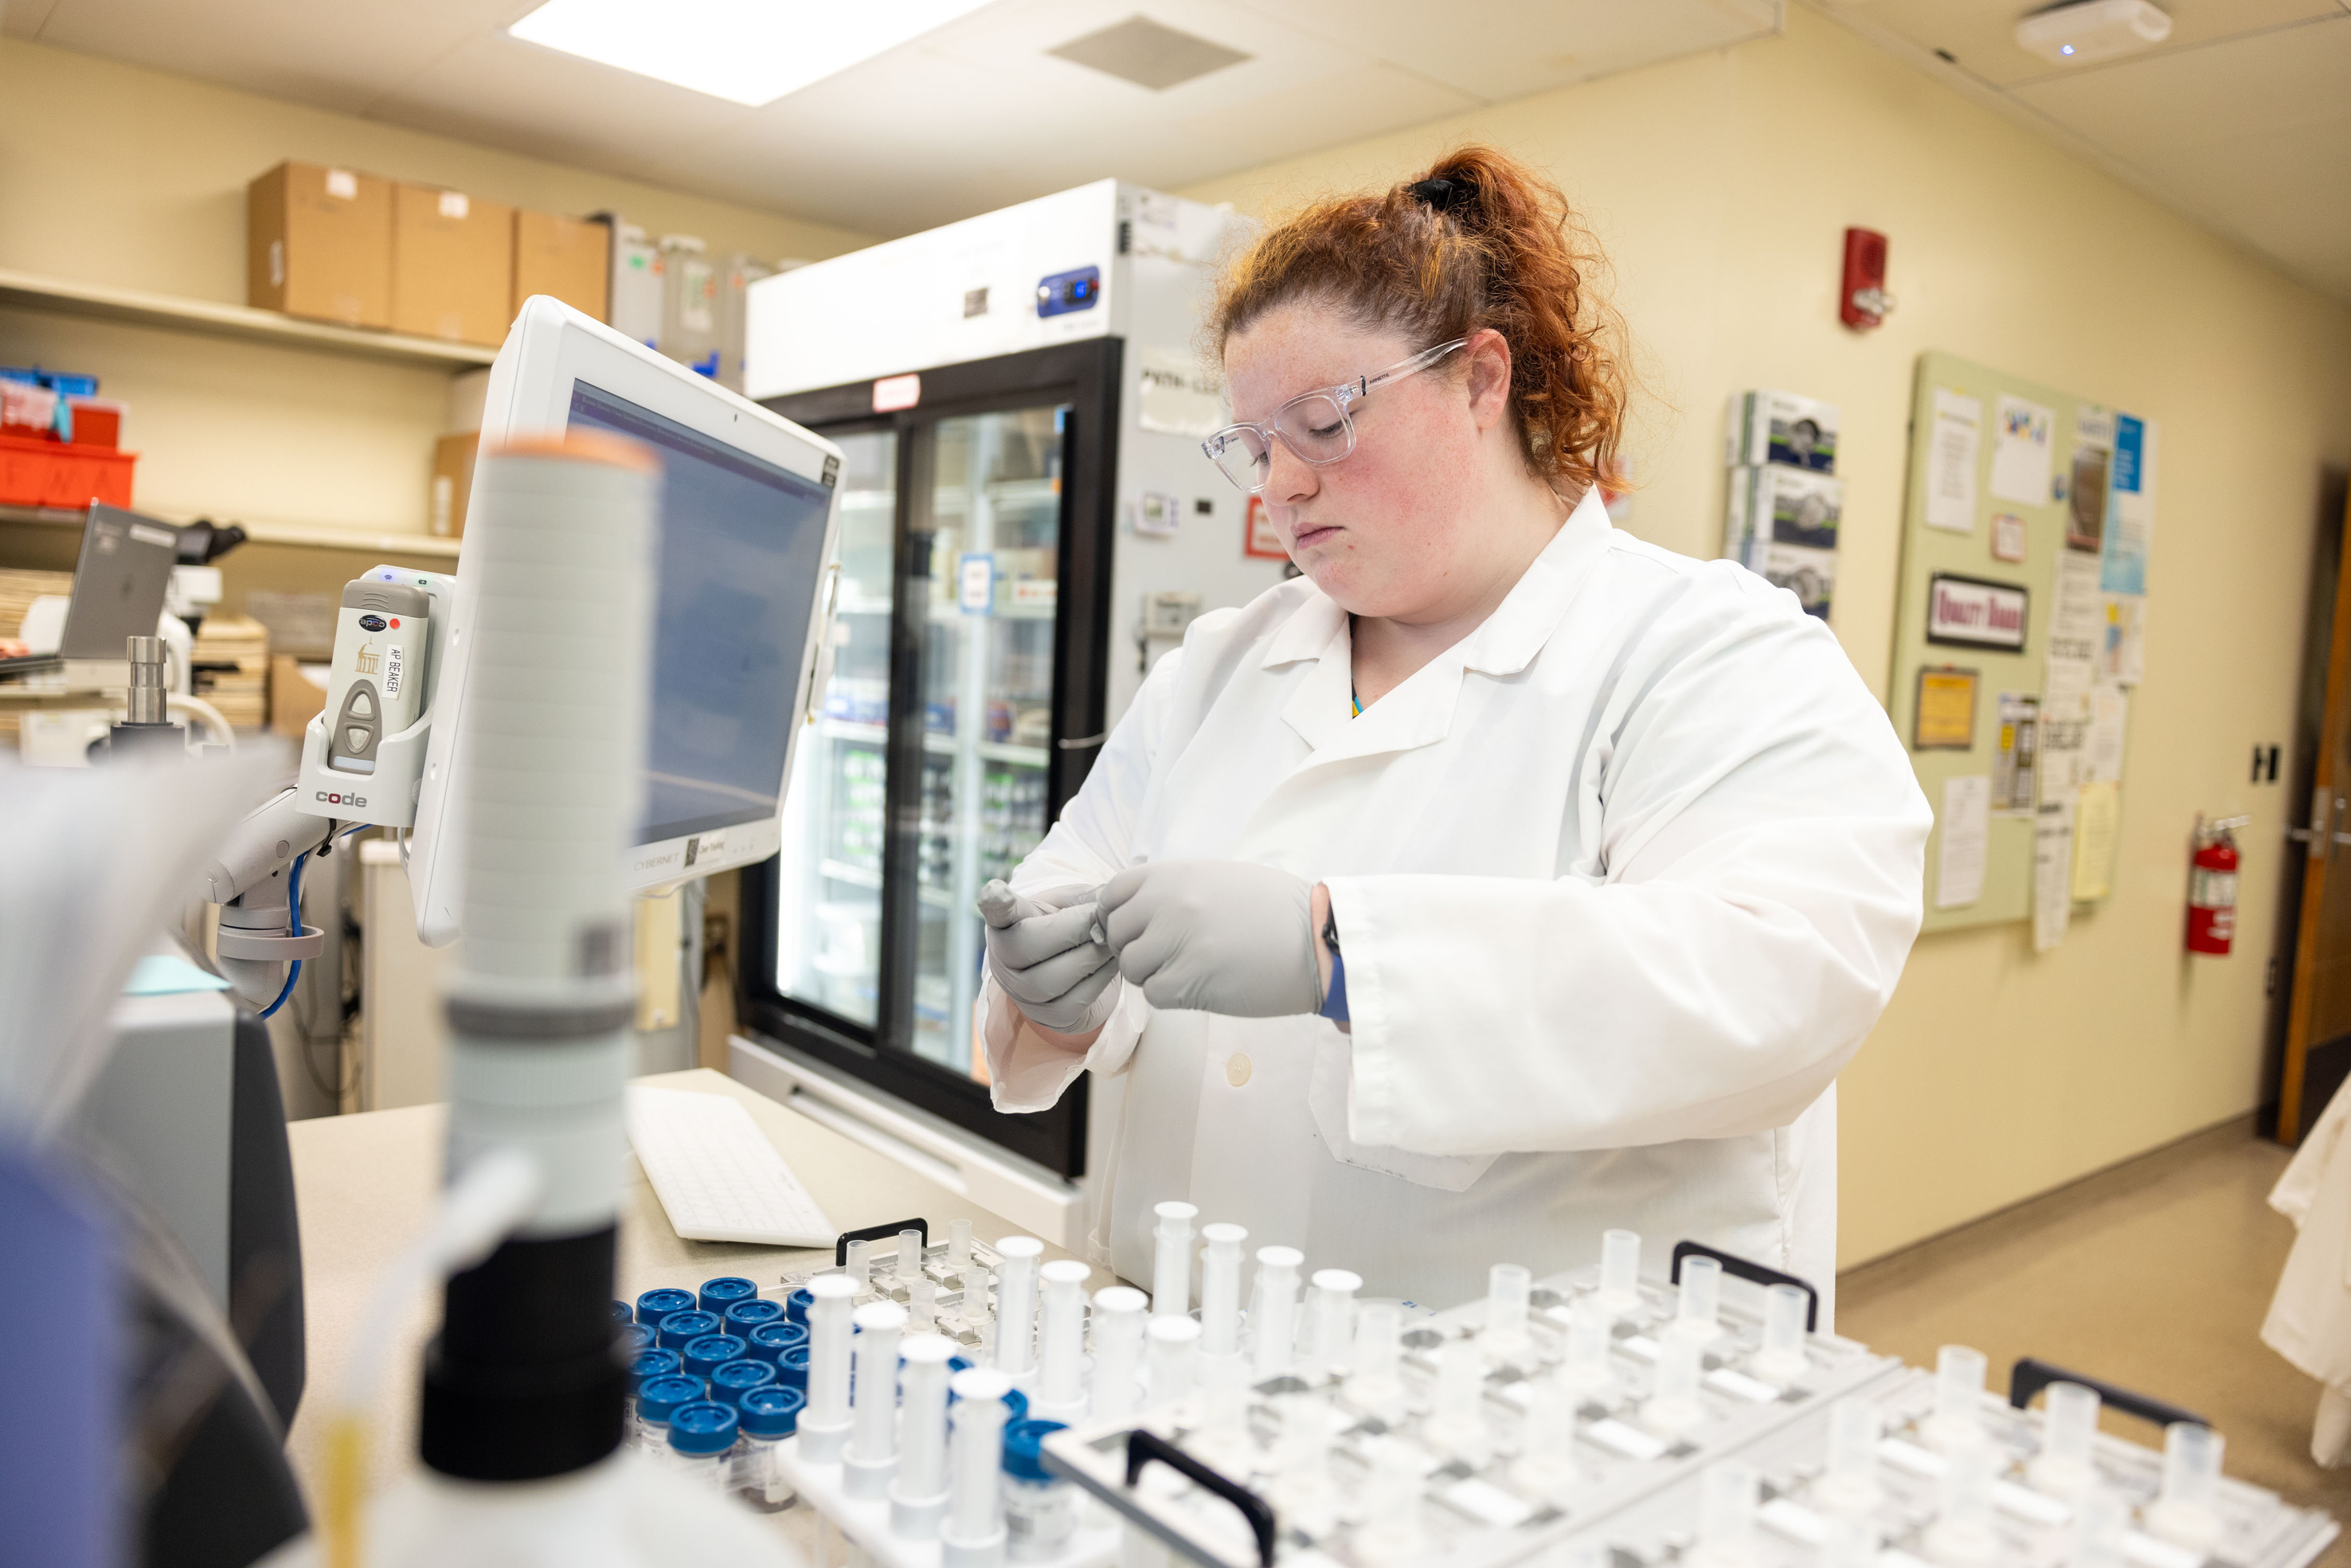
2212,892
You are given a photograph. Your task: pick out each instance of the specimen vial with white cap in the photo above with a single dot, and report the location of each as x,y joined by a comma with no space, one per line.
1781,1357
1016,1306
1508,1286
1171,1267
1273,1310
1698,1312
2187,1511
1620,1270
1963,1535
1119,1316
972,1535
2069,1423
1850,1483
873,1416
918,1492
1061,1345
1171,1359
1675,1408
1220,1289
1958,1398
1587,1369
824,1426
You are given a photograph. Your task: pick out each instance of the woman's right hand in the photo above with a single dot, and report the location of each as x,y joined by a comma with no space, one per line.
1052,963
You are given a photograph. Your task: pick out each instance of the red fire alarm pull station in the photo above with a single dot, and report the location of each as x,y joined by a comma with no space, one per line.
1863,302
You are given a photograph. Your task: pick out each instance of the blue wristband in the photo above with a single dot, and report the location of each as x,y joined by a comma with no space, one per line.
1334,1005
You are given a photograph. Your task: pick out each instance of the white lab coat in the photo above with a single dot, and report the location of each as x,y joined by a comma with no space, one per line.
1621,881
2309,1322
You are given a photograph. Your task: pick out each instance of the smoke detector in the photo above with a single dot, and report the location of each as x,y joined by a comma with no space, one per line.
2092,30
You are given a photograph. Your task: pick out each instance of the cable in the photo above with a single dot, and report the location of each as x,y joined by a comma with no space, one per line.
294,910
293,973
207,712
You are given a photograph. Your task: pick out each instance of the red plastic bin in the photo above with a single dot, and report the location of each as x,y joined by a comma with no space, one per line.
53,474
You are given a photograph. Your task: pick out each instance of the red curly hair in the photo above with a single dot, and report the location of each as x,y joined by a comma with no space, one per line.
1480,240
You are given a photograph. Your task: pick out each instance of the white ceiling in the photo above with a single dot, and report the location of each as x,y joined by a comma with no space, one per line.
974,116
2241,119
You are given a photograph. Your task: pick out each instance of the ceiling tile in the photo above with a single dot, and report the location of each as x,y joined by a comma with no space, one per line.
1499,49
2268,82
2262,186
898,150
1981,34
333,54
505,93
22,18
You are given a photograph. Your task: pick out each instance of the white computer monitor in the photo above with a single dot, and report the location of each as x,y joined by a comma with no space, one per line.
749,508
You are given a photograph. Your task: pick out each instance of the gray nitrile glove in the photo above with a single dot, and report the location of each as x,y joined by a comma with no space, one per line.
1220,936
1052,963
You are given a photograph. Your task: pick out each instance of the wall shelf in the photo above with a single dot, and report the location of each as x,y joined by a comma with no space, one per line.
273,534
107,302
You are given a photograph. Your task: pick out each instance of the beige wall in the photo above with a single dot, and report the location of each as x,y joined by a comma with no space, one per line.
1721,186
110,173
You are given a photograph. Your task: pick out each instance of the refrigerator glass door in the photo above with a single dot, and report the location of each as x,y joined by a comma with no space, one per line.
829,916
986,699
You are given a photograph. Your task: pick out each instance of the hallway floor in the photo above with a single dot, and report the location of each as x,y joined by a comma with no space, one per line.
2154,1275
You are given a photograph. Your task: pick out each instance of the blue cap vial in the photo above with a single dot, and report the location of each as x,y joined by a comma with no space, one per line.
1024,1455
791,1366
655,1305
659,1398
744,1316
770,1340
648,1365
796,1304
679,1327
636,1337
623,1313
703,1428
723,1293
731,1380
771,1411
705,1353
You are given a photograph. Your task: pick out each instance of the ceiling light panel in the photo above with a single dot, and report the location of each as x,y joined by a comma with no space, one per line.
750,52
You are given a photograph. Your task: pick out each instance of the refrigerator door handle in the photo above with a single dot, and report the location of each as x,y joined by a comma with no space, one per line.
820,667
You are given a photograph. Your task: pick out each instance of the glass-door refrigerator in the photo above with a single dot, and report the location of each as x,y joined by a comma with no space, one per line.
1014,553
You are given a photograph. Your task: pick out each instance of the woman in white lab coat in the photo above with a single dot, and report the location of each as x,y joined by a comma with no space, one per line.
1502,879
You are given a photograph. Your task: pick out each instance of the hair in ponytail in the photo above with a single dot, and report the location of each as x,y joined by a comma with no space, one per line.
1480,240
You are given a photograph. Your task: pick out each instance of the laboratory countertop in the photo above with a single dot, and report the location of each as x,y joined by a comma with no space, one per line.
364,1186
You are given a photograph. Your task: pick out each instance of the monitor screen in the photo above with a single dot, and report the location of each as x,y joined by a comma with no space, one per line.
742,543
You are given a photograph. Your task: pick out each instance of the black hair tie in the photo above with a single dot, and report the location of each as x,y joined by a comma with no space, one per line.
1444,196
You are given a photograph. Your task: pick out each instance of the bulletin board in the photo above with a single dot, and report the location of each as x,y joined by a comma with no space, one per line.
2019,637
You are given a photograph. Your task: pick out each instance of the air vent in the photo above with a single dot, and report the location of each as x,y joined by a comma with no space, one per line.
1141,51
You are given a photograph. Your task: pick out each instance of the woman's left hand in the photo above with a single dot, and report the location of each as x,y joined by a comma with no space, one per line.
1218,937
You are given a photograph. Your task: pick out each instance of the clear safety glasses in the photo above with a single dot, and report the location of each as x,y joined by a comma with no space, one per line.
1314,425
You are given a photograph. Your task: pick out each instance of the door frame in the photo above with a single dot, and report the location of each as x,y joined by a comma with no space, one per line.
2321,835
1084,377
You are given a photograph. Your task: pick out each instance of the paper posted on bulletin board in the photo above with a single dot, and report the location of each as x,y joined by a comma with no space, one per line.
2019,637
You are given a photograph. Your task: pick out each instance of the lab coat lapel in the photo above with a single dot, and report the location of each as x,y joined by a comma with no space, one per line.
1420,711
1319,707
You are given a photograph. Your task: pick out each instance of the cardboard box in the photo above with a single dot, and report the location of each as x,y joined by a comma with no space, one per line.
569,258
452,483
452,265
319,244
294,697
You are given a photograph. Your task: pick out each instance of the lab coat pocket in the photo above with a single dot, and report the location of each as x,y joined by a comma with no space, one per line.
1327,1094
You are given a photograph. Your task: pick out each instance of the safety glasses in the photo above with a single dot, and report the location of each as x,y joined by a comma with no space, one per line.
1314,425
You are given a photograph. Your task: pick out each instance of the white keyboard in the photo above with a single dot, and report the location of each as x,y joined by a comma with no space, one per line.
718,1177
